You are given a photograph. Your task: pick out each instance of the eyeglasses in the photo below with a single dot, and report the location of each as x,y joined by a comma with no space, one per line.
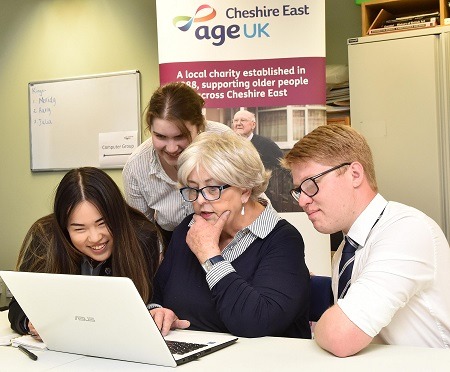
309,186
210,193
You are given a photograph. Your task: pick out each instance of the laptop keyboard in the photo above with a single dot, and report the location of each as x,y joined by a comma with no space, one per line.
180,348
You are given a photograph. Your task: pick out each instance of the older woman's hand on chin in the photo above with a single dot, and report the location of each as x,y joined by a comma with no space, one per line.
166,320
203,237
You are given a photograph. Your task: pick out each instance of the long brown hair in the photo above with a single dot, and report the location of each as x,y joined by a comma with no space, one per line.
47,246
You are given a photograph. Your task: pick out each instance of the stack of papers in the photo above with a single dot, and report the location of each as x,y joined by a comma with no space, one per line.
6,336
29,342
338,91
9,337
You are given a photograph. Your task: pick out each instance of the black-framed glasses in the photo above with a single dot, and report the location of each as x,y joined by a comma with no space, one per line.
309,186
210,193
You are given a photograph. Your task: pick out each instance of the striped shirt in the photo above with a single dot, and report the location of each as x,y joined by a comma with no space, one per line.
149,189
259,228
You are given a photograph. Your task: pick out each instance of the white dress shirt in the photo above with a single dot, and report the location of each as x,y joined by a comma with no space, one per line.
401,275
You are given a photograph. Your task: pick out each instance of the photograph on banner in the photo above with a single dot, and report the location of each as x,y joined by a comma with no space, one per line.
267,59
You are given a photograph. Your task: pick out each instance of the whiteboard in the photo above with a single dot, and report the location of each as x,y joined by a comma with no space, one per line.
84,121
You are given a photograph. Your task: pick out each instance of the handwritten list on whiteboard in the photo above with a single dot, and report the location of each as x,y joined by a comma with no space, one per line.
42,106
67,117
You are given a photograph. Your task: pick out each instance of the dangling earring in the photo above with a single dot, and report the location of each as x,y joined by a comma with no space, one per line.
243,210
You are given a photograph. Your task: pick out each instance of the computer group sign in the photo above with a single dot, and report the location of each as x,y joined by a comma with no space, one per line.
243,53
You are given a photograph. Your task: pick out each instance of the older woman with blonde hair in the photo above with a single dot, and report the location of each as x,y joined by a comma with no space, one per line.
234,265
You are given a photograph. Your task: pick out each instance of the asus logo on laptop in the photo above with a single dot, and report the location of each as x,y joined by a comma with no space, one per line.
84,318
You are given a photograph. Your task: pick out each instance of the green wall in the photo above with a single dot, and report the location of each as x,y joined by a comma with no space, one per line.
52,39
343,21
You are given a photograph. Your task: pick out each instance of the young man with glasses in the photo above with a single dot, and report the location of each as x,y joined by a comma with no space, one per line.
398,291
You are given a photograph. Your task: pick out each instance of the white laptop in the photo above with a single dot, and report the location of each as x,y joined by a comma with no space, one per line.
102,317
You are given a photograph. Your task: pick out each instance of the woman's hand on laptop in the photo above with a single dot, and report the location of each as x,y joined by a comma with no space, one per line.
32,332
166,320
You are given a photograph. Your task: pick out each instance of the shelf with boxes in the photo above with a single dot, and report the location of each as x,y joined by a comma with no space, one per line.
399,13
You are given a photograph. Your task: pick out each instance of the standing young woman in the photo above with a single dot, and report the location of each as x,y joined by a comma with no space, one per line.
92,231
174,117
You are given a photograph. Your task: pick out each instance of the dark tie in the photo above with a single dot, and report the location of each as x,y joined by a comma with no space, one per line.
346,266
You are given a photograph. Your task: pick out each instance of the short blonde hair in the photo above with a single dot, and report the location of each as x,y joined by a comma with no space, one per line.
228,158
332,145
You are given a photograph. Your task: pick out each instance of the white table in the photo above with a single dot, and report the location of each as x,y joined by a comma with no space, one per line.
258,354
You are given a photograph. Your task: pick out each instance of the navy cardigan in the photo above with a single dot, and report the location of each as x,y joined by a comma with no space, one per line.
268,295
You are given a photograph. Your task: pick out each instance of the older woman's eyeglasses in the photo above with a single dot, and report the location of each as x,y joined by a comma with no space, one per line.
210,193
309,186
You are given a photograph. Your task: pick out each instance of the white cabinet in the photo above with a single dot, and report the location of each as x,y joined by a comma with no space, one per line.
399,95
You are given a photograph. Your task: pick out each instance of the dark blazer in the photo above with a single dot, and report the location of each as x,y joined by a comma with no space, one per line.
268,150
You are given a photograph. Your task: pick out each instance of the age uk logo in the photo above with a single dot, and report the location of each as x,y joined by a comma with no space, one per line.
190,20
218,33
